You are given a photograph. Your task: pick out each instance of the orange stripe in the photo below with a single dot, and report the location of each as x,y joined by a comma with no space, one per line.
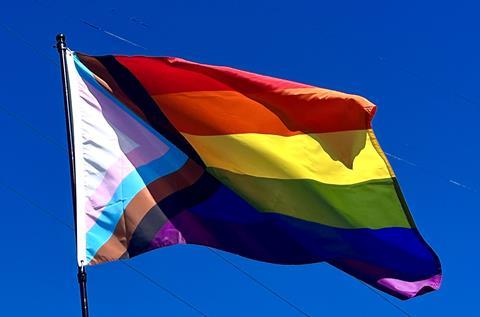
208,100
219,112
284,112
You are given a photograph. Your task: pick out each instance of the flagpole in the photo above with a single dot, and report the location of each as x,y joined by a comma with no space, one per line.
67,99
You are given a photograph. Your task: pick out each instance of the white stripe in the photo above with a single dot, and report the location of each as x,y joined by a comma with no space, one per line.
97,148
78,150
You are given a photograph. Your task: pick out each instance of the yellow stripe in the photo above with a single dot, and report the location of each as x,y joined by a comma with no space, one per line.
380,152
341,158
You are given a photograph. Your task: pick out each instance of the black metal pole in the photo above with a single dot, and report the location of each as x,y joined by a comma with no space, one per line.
67,98
82,282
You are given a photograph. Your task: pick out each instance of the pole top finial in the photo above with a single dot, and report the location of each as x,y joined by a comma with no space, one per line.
60,37
61,43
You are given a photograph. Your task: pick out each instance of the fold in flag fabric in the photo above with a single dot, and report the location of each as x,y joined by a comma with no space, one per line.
170,152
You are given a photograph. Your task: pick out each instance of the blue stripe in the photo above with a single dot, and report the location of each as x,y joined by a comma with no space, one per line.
227,222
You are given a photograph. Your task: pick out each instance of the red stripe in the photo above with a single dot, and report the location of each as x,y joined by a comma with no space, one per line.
162,75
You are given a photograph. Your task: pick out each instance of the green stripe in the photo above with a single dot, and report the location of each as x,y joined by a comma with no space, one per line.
373,204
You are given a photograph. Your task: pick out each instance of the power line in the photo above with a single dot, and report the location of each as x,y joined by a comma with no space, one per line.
220,256
121,38
47,212
57,144
380,59
431,172
52,141
400,309
98,28
148,278
251,277
261,284
60,221
239,269
433,83
27,43
32,128
37,206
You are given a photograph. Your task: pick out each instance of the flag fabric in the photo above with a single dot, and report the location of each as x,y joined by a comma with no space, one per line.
170,152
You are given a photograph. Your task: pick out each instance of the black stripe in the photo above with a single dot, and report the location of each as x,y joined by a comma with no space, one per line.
132,87
190,196
186,198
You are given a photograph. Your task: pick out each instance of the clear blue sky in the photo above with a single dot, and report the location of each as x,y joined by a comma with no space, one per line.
417,61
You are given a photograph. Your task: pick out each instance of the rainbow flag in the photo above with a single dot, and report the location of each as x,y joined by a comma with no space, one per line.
173,152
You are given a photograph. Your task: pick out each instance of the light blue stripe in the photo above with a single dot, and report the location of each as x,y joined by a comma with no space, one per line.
126,191
133,183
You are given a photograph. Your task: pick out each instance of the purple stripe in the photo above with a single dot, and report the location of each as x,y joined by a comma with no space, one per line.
411,289
167,235
369,255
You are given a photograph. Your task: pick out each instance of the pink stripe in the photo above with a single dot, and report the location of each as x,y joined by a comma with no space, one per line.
146,149
111,181
411,289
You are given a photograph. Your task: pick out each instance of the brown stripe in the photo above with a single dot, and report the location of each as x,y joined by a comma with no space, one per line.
131,93
114,248
141,204
106,80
